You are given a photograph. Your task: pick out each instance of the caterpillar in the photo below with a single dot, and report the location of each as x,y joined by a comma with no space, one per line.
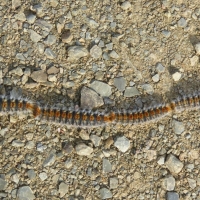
82,118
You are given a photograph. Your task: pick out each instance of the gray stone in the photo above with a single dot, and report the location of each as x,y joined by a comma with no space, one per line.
169,183
101,88
160,68
192,183
3,184
67,147
40,147
25,193
84,135
109,46
20,56
95,140
18,71
105,193
113,182
40,47
35,37
83,150
176,76
156,78
178,127
76,52
43,176
17,143
172,196
63,189
51,158
166,33
107,167
38,9
194,60
50,54
53,3
114,55
90,99
131,92
44,25
20,16
53,70
122,143
125,5
197,48
161,160
182,23
120,83
31,18
173,164
31,174
68,163
39,76
51,39
67,37
16,3
96,52
148,89
92,23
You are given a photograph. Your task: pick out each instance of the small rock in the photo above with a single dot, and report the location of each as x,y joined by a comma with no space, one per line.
194,60
169,183
109,46
122,143
172,196
182,23
114,55
31,18
38,9
107,167
193,154
67,147
68,163
20,16
166,33
68,84
25,193
137,175
151,154
3,184
125,5
52,78
148,89
63,189
178,127
67,37
40,47
101,88
96,52
39,76
43,176
156,78
105,193
44,25
51,158
173,164
53,70
17,143
161,160
131,92
35,37
120,83
192,183
50,54
95,140
90,99
16,3
18,71
31,174
176,76
51,39
197,48
76,52
113,183
84,135
53,3
92,23
83,150
20,56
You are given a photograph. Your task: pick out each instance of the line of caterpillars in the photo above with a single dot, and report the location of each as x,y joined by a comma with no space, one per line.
95,118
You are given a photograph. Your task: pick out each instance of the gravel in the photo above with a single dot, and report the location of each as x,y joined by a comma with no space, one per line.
77,52
25,192
83,150
105,193
122,143
120,83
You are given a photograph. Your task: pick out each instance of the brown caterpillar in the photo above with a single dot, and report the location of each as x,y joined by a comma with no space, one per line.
90,118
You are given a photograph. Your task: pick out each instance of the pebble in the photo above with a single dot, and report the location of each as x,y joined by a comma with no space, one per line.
53,3
105,193
192,183
101,88
197,48
176,76
67,147
44,25
90,99
84,135
34,36
16,3
194,61
40,47
114,55
172,196
95,140
31,18
3,184
25,193
96,52
20,56
109,46
131,92
67,37
76,52
122,143
182,22
50,40
161,160
178,127
68,163
17,143
148,89
156,78
68,84
31,174
193,154
52,78
20,16
50,54
63,189
166,33
107,167
169,183
125,5
39,76
51,158
83,150
120,83
92,23
18,71
113,182
173,164
43,176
